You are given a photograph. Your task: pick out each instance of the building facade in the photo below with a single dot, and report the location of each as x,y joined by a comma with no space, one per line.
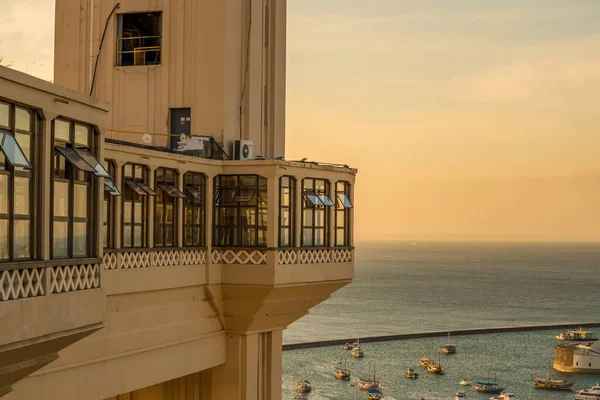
137,263
578,357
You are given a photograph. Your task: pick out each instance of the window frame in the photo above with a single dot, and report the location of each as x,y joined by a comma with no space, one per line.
161,200
290,208
73,177
109,210
344,211
196,201
16,172
242,208
137,198
310,205
119,40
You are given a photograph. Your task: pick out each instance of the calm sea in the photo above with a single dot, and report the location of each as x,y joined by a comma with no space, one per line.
416,287
406,287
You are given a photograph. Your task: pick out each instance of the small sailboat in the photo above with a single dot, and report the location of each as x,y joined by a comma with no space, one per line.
368,383
356,350
303,386
342,372
411,374
374,394
449,348
487,387
465,382
425,361
459,396
435,368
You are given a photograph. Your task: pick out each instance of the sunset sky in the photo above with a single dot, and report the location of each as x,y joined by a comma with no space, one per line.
467,119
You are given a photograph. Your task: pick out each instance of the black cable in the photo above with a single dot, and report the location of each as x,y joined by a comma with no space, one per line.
100,48
245,81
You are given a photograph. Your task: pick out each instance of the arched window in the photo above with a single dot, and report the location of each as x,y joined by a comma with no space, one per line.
194,184
342,214
166,207
135,205
287,214
315,212
240,211
74,168
17,126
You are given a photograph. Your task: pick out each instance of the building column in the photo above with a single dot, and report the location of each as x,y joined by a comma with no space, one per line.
252,370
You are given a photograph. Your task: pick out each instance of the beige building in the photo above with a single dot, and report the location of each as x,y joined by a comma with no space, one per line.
137,263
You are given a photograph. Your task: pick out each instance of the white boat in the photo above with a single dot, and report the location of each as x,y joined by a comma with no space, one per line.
459,396
303,386
577,336
504,396
449,348
465,382
592,393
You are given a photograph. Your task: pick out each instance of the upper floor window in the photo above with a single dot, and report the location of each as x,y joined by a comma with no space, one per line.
240,213
315,212
195,208
110,191
16,182
74,167
287,196
165,207
135,205
139,38
342,214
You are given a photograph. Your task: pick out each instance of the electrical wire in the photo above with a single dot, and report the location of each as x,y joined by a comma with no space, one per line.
245,81
100,48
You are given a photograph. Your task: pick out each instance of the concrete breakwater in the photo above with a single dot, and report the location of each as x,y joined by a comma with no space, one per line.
459,332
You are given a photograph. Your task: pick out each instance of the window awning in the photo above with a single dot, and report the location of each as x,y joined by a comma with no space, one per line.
314,199
171,190
136,187
326,200
91,160
147,188
75,159
344,200
196,192
244,195
11,149
110,187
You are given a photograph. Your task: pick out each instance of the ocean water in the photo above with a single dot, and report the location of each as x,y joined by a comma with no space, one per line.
418,287
404,287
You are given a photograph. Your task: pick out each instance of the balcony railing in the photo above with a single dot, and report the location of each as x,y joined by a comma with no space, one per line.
34,279
131,258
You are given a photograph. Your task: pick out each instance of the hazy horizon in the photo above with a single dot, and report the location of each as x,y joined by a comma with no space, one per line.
466,119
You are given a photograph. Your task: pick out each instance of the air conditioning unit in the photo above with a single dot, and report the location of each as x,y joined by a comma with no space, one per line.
242,150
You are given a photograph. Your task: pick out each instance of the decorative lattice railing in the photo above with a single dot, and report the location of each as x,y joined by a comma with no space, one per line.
148,258
314,256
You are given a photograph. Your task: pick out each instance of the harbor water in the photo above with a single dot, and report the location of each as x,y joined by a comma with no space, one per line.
418,287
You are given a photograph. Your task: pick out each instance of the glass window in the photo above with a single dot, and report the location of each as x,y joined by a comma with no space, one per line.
166,207
72,199
194,209
343,207
139,38
315,212
135,205
287,198
240,211
16,172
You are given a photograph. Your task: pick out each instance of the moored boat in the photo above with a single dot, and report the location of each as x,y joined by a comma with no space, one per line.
347,346
342,373
434,368
425,361
487,387
578,336
303,386
465,382
357,352
592,393
504,396
411,374
449,348
374,394
555,384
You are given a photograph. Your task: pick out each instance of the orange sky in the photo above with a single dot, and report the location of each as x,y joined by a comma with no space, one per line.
467,119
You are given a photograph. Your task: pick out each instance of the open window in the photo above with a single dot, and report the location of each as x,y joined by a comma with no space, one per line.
135,205
315,212
343,208
139,39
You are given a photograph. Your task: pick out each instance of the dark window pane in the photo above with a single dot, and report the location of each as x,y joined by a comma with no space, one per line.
307,237
3,229
197,238
127,235
138,236
158,213
60,239
249,237
196,192
285,217
12,151
284,237
94,163
188,236
138,212
75,159
168,235
21,239
319,237
171,191
168,213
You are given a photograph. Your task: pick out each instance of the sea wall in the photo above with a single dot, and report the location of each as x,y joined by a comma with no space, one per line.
460,332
